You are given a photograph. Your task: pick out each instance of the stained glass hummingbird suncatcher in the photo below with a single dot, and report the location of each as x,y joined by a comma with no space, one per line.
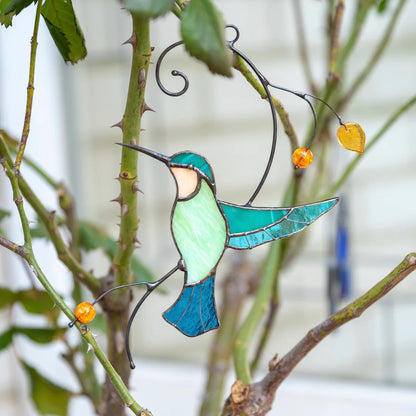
203,227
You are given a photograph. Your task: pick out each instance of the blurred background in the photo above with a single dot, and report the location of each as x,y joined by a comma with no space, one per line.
366,367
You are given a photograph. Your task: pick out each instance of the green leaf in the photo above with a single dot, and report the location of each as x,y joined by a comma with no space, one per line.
7,297
63,26
49,398
4,214
92,238
39,231
41,335
33,300
37,302
6,339
99,323
382,5
202,30
11,8
149,8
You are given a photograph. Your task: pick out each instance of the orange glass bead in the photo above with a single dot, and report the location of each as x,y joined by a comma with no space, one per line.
85,312
302,157
351,137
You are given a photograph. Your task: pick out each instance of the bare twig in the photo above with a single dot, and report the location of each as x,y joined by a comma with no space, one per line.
374,58
334,49
10,245
302,45
363,7
260,396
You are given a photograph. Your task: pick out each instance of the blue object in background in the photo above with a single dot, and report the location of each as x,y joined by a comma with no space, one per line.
339,273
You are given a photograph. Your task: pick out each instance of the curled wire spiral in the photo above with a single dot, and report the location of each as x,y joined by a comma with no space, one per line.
175,73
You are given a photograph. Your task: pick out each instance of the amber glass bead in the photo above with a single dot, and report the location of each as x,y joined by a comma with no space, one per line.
85,312
302,157
351,137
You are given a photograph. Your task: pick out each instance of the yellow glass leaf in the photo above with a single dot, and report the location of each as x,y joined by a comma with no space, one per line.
351,137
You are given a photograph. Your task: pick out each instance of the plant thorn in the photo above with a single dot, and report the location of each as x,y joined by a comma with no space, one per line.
119,124
145,108
132,40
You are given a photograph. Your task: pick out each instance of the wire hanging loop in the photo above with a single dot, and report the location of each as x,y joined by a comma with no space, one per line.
266,85
303,96
175,73
261,78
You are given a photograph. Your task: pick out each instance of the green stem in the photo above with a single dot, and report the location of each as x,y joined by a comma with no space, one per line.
303,45
13,144
112,374
266,332
26,252
181,3
117,304
343,55
237,285
351,166
271,268
354,310
261,395
176,10
374,58
242,67
30,89
49,220
363,7
84,330
250,324
334,48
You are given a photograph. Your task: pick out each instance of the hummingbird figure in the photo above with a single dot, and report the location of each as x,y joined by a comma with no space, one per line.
203,227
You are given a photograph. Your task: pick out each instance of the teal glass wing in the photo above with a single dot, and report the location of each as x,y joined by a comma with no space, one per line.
251,226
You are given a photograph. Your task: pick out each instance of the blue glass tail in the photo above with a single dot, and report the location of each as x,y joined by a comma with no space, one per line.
194,311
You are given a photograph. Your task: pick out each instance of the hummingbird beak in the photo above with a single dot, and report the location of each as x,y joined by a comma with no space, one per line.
162,158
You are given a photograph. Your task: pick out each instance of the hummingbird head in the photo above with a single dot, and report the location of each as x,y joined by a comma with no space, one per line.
187,169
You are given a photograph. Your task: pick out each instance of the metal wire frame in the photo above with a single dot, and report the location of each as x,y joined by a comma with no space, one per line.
266,85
